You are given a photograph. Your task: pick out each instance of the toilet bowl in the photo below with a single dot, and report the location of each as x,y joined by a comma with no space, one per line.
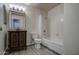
37,40
37,43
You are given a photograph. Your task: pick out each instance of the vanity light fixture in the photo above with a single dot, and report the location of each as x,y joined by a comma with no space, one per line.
16,7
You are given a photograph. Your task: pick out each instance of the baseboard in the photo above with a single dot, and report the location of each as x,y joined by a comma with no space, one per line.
51,50
6,52
30,45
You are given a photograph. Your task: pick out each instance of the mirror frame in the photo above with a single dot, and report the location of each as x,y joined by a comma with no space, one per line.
16,13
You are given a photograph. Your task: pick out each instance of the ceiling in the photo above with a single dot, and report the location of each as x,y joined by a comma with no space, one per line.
43,6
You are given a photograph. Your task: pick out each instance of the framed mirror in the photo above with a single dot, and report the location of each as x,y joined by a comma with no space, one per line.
17,20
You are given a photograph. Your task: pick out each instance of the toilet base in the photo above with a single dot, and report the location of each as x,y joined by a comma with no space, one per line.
38,46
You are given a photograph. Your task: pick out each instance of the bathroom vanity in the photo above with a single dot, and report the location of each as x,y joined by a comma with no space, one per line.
16,40
16,30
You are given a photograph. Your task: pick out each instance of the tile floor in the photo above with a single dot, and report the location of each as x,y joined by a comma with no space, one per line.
31,50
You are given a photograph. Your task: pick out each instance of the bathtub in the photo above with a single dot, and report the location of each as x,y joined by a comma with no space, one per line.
55,46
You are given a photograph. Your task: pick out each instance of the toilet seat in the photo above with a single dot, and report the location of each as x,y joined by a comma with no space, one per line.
37,40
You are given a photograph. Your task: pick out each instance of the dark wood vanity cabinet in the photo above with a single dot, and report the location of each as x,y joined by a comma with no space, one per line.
16,40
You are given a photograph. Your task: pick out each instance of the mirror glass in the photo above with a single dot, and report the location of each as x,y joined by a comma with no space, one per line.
16,24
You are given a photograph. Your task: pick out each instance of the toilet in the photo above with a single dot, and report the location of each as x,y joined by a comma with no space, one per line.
37,40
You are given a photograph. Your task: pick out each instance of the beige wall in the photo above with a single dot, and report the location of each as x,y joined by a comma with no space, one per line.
1,32
55,25
71,29
32,22
44,25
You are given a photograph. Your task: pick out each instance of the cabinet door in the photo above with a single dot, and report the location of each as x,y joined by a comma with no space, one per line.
13,39
22,39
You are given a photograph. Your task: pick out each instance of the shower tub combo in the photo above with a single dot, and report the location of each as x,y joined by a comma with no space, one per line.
54,46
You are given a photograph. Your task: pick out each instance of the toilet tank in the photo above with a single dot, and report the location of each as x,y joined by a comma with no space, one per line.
34,35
